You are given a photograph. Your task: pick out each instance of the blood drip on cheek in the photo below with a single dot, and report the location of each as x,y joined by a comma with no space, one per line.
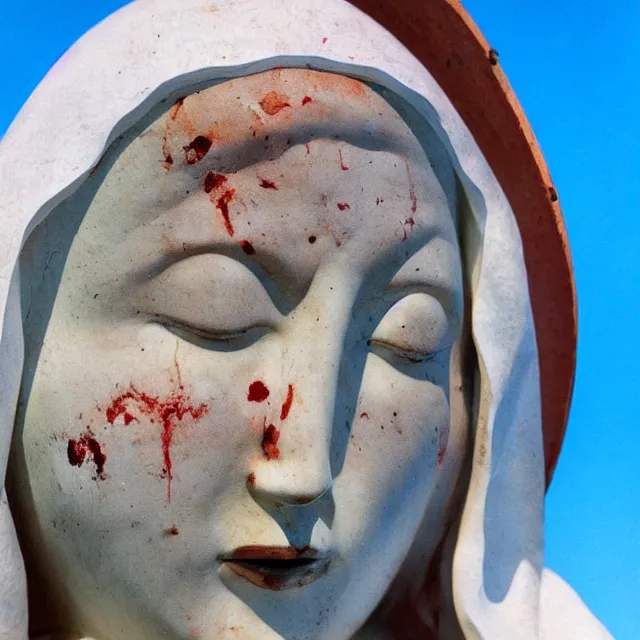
286,406
306,100
270,439
168,412
87,445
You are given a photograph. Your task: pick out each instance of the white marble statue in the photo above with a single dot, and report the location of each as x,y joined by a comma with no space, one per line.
267,367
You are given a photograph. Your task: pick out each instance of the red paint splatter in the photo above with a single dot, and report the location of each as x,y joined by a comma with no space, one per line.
252,479
267,184
286,405
213,181
86,445
273,103
442,445
270,439
168,158
247,247
168,412
410,223
258,392
364,414
306,100
343,205
412,190
223,206
173,531
197,149
176,109
76,452
343,166
324,40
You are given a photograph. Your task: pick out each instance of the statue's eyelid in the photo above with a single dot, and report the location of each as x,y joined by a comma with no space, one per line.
412,355
207,338
276,296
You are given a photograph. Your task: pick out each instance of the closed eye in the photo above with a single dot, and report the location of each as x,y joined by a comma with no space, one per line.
206,338
385,349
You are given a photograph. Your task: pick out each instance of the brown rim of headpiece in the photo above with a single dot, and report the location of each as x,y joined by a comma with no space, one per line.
442,35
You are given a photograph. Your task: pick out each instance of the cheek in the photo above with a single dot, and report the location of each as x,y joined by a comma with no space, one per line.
153,417
399,419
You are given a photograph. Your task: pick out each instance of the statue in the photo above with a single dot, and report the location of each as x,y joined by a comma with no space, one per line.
269,364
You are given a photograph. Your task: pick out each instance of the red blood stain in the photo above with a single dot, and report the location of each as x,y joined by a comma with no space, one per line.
442,445
197,149
324,40
270,439
308,149
223,206
412,190
273,103
364,414
267,184
247,247
76,451
343,205
168,412
86,445
286,405
213,181
258,392
343,166
252,479
306,100
168,158
408,223
173,531
176,109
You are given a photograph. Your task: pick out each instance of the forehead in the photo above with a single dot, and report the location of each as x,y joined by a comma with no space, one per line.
291,167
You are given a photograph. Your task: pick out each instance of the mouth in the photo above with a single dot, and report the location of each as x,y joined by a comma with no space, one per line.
277,568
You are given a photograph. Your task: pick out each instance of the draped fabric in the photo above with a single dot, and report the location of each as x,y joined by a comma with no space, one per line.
154,48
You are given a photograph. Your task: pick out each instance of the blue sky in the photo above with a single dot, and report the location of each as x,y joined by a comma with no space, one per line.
573,65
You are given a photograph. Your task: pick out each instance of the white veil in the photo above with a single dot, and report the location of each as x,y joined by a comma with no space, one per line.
151,49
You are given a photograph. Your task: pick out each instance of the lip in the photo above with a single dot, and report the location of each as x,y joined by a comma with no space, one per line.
277,568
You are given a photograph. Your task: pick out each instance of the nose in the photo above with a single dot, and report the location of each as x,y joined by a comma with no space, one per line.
295,468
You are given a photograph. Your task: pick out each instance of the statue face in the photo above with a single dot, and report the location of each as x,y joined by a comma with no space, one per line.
241,411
